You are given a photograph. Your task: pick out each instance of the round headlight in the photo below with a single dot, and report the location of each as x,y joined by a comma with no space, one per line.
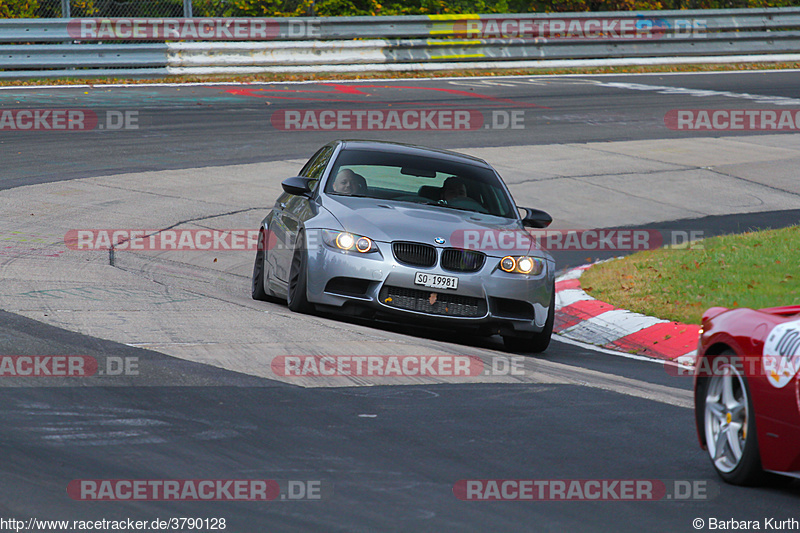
525,265
363,244
345,241
508,264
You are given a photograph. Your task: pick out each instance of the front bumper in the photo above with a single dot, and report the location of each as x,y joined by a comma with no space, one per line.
377,283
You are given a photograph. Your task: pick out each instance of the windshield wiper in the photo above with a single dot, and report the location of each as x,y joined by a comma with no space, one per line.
439,204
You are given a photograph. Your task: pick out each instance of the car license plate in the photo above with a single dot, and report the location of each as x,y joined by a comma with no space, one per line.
435,281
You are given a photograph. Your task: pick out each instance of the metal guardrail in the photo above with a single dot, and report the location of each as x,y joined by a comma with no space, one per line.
416,51
425,26
44,56
386,42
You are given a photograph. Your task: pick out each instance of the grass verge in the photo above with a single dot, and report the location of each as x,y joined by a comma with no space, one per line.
757,269
278,77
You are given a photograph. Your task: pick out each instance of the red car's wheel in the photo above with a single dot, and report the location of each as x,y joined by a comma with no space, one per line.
729,423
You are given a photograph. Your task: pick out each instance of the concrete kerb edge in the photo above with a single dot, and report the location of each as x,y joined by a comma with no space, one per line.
582,318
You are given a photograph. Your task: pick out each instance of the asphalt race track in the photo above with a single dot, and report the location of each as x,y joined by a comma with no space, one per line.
202,400
190,127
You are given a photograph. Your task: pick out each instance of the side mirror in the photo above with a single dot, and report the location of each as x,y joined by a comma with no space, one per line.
298,186
536,218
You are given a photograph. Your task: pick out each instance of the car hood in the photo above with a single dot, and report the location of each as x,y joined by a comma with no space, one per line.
387,221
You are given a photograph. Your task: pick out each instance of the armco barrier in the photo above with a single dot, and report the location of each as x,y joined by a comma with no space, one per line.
422,26
250,45
44,56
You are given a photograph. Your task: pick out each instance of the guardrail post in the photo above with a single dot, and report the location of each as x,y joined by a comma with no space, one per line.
65,9
187,9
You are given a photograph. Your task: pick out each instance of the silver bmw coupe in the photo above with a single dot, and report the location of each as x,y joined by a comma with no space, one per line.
393,231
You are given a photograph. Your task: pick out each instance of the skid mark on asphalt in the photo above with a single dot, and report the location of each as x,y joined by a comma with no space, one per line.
93,425
475,98
138,97
99,294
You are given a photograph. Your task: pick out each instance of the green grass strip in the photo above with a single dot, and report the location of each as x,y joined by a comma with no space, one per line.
756,270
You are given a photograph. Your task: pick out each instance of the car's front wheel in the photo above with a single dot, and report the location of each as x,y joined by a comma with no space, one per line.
539,341
257,287
729,424
297,296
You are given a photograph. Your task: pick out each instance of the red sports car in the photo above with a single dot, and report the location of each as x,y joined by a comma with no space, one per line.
747,392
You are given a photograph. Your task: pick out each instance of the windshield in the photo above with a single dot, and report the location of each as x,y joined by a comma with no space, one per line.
407,178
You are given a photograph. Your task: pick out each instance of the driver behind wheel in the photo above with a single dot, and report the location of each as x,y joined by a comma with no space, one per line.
454,187
350,183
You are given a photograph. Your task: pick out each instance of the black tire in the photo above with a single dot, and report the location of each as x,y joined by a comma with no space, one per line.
257,286
736,459
539,341
516,344
297,296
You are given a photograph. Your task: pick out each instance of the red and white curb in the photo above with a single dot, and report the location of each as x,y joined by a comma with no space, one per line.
582,318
